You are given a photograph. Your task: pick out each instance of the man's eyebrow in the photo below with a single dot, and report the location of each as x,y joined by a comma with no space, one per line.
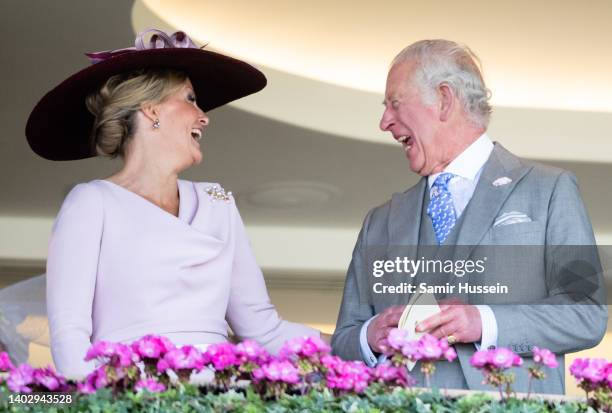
389,99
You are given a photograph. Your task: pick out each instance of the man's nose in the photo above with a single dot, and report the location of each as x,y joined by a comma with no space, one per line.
386,121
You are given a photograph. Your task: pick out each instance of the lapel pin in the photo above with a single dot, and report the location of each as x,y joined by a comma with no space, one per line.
504,180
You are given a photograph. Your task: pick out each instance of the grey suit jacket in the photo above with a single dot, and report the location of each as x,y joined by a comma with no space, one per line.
547,316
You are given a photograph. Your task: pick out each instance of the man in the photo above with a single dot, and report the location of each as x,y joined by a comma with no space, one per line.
473,192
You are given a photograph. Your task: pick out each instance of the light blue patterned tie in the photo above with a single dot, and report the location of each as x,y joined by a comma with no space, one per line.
441,209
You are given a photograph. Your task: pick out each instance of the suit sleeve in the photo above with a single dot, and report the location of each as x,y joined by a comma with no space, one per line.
353,311
573,316
250,313
72,265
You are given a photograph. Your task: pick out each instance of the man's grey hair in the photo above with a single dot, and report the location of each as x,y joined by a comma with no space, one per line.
445,62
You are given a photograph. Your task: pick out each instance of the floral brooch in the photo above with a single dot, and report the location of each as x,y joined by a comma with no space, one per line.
217,193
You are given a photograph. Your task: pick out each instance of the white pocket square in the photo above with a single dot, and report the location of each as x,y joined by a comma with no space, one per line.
509,218
504,180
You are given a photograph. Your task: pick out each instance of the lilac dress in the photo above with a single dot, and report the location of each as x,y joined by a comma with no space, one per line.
119,267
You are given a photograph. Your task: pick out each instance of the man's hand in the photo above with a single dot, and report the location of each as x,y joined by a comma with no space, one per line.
455,318
379,327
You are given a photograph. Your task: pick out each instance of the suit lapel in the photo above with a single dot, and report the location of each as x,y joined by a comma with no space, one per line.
404,227
405,215
488,198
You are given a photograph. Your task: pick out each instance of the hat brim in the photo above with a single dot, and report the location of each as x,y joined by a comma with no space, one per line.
59,126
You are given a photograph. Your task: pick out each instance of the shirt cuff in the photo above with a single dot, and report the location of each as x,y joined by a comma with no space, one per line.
488,341
366,352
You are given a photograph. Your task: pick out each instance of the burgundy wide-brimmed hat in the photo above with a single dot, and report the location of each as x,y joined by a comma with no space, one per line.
59,126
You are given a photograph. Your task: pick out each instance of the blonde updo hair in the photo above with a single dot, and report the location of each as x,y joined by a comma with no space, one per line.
116,103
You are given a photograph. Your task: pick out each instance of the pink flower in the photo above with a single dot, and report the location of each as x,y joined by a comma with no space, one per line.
221,356
397,338
251,351
272,371
277,371
124,356
450,354
258,374
179,358
308,347
100,349
360,386
592,370
20,378
411,350
86,388
479,359
152,346
385,372
391,375
609,375
332,382
330,362
114,354
356,369
341,382
292,346
321,345
162,366
443,344
348,376
429,347
99,378
288,373
578,366
49,379
545,357
5,362
501,358
150,385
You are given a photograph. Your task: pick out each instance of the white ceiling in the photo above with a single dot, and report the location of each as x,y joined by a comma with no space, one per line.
327,61
544,54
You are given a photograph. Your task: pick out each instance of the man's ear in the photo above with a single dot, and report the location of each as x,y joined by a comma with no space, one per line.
446,101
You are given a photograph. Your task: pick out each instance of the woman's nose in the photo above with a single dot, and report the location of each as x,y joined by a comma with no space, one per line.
204,120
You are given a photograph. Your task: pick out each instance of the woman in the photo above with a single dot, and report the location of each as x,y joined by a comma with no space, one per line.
141,251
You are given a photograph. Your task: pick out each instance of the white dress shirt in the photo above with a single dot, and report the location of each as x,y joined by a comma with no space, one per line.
467,168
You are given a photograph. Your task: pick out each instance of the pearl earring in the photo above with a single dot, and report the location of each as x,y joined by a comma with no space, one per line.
156,124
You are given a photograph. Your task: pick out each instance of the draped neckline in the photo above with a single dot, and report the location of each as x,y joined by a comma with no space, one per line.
184,215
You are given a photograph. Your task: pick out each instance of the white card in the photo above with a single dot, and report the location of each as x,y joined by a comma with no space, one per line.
420,308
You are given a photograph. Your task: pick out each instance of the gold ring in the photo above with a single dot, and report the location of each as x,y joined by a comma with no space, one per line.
451,339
